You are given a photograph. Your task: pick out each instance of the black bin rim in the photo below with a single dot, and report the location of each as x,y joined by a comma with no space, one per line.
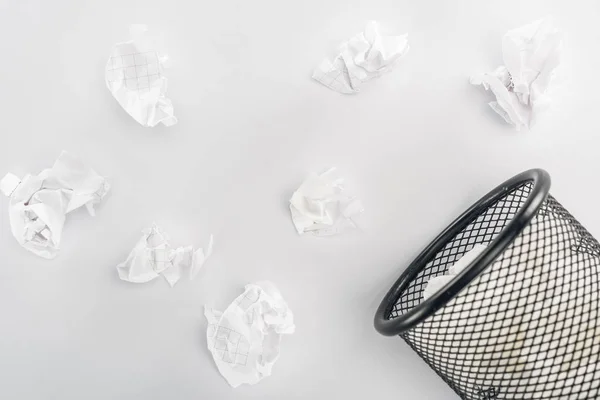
539,193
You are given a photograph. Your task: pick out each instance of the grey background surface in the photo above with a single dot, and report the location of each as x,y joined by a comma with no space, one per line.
417,146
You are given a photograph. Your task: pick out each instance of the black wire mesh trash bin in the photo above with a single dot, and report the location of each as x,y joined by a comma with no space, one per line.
521,320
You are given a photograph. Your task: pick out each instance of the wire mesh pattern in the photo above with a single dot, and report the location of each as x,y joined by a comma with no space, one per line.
528,326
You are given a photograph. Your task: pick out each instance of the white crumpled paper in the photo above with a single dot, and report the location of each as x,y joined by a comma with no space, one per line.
39,204
437,282
363,57
321,207
244,339
522,86
134,76
154,256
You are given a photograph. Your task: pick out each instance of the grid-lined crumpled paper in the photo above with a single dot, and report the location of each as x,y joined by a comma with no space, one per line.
153,255
363,57
321,206
245,338
134,75
39,204
523,85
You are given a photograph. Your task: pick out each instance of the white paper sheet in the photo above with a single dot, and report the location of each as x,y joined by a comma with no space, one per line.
363,57
154,256
321,207
39,204
523,85
245,339
135,77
